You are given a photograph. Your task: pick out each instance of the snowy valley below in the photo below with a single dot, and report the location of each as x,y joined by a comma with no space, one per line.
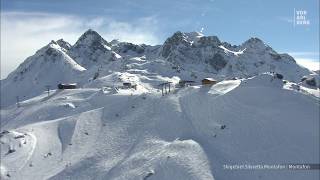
120,123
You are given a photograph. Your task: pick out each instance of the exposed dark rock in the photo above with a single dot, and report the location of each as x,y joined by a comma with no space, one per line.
170,43
11,151
4,132
209,41
217,62
19,136
275,56
62,43
311,82
287,57
133,47
279,76
148,175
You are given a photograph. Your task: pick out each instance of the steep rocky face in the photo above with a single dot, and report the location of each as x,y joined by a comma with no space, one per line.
64,44
92,50
209,54
188,41
217,62
256,44
208,41
178,39
128,48
194,48
312,80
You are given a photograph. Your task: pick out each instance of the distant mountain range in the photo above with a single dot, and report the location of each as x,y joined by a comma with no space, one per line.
183,53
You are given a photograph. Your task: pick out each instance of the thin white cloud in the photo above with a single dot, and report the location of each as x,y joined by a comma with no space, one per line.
303,54
308,59
22,33
309,63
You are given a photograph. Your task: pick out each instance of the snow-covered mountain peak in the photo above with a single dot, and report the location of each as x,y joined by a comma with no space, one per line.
177,39
91,38
92,50
208,41
115,42
193,36
187,38
256,44
254,40
48,66
51,45
49,54
188,41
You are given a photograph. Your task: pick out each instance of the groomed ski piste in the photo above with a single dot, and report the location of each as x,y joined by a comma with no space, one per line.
189,133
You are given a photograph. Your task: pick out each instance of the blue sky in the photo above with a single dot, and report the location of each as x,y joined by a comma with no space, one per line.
36,22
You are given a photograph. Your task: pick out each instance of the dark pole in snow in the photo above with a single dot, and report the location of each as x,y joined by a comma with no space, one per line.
48,89
162,90
169,87
165,88
18,103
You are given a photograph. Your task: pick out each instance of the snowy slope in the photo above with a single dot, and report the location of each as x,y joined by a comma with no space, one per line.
94,135
103,130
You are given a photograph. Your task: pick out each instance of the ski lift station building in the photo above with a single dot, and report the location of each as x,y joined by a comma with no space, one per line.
209,81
